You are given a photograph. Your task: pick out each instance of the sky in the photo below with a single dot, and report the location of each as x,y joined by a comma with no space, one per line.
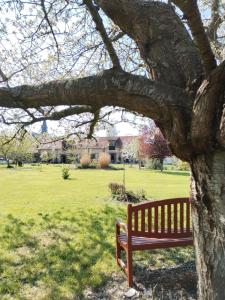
122,129
130,125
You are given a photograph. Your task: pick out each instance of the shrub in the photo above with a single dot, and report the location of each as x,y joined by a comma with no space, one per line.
141,194
183,166
119,193
116,188
104,160
65,173
85,160
129,196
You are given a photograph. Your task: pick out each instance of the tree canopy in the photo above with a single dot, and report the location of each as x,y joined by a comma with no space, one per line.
51,52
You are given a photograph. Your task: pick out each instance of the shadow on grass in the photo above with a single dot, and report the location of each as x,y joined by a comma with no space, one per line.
59,255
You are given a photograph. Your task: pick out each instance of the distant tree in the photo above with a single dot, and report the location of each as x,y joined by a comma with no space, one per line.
131,150
23,150
5,148
19,149
153,145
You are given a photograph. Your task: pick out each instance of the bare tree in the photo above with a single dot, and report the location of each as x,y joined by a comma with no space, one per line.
160,60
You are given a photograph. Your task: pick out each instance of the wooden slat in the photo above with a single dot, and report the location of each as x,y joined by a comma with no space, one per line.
143,220
163,218
182,217
188,217
140,243
169,218
175,217
157,203
136,220
156,219
149,220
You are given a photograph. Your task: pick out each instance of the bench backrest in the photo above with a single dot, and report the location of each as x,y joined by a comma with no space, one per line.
168,218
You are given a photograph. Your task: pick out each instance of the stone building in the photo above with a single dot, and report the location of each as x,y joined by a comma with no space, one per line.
62,151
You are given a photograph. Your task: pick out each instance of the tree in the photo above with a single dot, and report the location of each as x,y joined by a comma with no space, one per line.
131,150
178,80
18,149
153,145
6,148
23,150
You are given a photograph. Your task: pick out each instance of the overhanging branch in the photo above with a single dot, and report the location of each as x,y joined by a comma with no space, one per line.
193,16
207,109
161,37
109,88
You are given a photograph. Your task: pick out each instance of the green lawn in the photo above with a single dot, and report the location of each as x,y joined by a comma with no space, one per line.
57,236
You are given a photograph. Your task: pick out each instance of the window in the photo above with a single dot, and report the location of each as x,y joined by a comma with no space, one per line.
112,145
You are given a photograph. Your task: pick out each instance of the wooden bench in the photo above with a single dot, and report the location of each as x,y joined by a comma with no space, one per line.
152,225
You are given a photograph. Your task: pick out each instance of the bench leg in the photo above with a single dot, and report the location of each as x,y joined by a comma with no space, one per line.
129,267
118,252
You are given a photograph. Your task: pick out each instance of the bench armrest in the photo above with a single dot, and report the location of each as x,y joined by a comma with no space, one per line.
121,225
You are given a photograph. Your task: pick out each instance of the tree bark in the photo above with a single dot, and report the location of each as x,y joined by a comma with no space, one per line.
208,211
164,44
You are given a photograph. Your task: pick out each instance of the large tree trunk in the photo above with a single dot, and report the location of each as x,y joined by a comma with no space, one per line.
208,190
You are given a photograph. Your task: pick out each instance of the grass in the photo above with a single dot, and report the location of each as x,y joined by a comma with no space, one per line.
57,236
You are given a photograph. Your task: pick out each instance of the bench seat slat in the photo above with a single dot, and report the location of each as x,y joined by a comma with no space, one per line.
166,232
139,243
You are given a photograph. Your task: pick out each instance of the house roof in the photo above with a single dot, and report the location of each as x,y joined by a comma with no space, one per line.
100,142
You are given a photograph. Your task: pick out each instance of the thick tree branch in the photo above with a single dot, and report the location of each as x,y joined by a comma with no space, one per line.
101,29
162,39
109,88
193,16
207,111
